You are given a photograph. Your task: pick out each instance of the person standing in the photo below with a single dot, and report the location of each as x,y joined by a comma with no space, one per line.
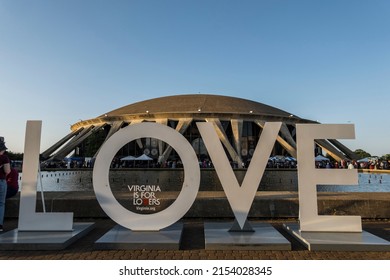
4,170
12,182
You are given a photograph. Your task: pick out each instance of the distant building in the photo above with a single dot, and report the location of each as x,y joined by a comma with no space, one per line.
239,123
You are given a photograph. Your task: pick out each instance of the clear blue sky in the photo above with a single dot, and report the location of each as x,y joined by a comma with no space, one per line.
62,61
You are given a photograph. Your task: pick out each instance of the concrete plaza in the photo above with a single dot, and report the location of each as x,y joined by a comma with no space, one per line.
192,246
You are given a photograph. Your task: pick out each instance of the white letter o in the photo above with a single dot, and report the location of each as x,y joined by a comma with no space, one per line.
177,209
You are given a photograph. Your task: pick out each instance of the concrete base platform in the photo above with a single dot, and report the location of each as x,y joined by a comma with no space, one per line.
43,240
264,237
120,238
338,241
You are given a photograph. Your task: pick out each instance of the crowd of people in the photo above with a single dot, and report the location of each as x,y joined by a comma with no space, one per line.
372,163
273,162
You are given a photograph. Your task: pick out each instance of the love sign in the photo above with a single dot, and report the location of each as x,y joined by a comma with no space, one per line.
239,196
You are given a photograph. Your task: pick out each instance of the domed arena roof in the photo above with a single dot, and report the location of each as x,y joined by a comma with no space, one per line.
198,103
229,116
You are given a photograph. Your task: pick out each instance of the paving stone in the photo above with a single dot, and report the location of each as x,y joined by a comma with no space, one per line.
83,249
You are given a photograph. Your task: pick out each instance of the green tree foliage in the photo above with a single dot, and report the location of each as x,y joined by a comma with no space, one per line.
92,143
362,153
14,156
385,157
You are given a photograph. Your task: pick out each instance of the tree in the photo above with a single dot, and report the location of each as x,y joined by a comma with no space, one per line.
362,153
14,156
92,144
385,157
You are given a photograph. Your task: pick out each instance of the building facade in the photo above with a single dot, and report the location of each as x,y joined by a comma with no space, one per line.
238,122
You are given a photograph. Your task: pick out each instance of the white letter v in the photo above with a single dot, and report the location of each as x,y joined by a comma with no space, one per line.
240,198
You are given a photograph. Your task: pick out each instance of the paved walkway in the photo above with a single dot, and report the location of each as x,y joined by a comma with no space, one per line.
192,246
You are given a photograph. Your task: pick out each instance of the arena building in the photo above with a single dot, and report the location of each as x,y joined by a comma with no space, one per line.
238,122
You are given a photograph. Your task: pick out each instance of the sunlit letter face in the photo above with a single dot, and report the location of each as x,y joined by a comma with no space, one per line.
29,220
165,217
240,198
309,177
